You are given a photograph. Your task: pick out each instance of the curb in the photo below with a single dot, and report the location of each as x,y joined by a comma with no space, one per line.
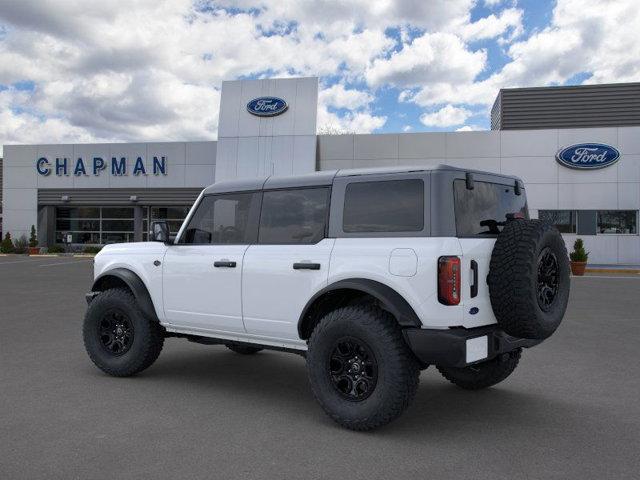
633,271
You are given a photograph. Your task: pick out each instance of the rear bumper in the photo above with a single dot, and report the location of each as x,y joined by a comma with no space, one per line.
460,347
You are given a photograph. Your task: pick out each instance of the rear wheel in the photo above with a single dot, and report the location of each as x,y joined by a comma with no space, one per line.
119,339
243,349
360,369
485,374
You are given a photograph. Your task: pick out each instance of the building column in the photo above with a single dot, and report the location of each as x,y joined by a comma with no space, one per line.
46,226
138,217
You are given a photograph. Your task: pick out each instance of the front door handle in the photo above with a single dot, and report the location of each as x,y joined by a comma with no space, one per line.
306,266
225,264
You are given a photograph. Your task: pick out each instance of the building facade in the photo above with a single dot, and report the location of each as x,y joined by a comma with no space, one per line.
104,193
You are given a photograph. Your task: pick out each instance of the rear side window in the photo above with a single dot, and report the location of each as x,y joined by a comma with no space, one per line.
484,210
294,216
384,206
223,219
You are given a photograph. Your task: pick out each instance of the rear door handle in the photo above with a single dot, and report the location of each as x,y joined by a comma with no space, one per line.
474,270
306,266
224,263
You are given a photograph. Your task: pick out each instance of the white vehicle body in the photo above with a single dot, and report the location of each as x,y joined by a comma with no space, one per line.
261,298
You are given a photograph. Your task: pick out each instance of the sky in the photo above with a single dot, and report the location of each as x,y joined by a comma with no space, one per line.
76,71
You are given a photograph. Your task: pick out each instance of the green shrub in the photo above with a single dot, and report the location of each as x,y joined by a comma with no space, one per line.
91,249
579,254
56,249
21,244
7,244
33,238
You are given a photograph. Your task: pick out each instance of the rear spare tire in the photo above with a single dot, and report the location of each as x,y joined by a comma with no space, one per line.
529,279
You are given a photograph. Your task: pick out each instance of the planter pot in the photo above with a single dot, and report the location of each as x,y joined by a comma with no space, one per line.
577,268
34,250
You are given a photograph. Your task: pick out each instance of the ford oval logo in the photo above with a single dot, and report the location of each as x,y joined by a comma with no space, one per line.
267,106
588,156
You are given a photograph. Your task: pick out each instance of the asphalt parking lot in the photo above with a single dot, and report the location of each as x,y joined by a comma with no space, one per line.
571,409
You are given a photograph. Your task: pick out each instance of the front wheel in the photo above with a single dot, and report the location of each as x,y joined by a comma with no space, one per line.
485,374
360,369
118,337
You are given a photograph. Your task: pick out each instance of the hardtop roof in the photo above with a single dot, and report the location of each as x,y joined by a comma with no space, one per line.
326,177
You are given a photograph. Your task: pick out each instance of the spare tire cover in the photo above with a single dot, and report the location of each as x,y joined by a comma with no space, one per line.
529,279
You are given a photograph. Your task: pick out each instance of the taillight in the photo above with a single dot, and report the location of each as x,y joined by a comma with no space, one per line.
449,280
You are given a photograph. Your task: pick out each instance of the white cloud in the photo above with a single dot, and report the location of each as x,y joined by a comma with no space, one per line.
432,57
447,116
469,128
509,20
338,96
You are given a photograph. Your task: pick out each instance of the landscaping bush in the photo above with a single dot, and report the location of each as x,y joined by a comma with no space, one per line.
91,249
579,254
56,249
21,244
7,244
33,238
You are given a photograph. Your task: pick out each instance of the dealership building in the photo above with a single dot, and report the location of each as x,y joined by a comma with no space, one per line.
576,148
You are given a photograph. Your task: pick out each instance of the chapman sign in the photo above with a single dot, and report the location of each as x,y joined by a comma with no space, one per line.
118,166
267,106
588,156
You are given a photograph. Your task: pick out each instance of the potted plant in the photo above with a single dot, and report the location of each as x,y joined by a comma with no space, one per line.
7,244
33,242
578,258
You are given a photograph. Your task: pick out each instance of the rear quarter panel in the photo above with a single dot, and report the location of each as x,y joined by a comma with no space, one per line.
370,258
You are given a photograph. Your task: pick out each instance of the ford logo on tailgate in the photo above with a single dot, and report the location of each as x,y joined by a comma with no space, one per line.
267,106
588,156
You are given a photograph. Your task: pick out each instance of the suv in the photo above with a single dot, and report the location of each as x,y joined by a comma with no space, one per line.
372,275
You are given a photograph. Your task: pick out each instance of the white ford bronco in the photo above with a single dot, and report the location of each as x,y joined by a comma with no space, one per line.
372,275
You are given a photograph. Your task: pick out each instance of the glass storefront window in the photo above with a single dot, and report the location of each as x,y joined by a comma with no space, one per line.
618,221
174,216
564,220
94,225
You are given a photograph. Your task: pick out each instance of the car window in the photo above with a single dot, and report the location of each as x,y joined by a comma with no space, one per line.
294,216
223,219
384,206
483,210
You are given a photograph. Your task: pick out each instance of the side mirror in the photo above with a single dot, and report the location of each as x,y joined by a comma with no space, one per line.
160,232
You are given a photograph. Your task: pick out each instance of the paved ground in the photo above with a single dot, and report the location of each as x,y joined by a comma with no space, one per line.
571,410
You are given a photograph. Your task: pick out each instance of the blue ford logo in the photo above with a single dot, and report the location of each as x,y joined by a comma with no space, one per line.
588,156
267,106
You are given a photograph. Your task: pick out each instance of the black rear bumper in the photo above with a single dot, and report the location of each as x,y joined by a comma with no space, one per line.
448,348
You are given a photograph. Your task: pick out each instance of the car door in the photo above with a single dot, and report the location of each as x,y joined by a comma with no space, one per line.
289,263
202,272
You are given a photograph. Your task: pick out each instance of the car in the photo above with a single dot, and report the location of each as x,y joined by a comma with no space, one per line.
372,275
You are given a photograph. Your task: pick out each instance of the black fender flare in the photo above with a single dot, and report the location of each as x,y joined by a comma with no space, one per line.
389,299
135,284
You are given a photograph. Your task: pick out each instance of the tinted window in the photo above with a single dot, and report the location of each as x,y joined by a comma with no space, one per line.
484,210
617,221
388,206
564,220
294,216
222,219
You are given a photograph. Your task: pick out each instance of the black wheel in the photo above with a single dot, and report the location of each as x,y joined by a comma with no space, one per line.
529,279
243,349
119,339
360,369
485,374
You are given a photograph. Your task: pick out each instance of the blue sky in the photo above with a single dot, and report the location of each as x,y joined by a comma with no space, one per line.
77,71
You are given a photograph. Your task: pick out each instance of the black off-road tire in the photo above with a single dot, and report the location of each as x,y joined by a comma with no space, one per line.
516,272
148,335
485,374
243,349
397,369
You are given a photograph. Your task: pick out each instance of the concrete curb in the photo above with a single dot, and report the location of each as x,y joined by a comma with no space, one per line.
626,271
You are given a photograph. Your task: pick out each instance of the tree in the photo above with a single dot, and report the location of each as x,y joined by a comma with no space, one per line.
33,238
7,245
